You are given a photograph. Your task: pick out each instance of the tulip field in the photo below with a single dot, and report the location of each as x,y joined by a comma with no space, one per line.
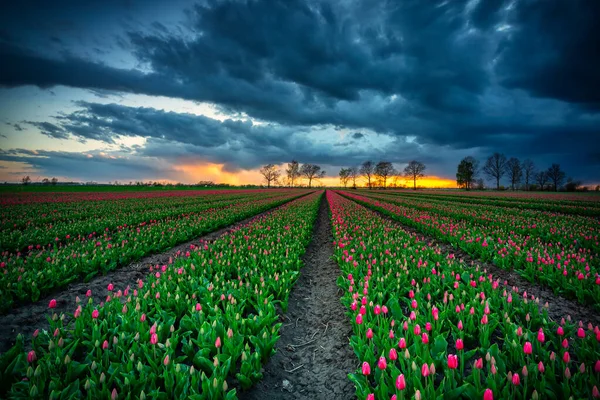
423,323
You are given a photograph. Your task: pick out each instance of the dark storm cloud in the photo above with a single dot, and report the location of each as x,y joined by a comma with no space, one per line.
49,129
519,77
357,135
554,52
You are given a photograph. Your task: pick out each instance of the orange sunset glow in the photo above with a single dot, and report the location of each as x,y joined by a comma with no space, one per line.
216,173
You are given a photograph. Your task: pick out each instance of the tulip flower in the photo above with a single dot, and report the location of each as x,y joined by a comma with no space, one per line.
459,344
488,394
95,314
580,333
425,370
31,357
527,348
402,345
479,363
366,368
359,319
452,361
154,338
382,363
425,338
110,287
370,396
516,380
52,303
400,382
541,367
393,355
218,342
541,337
369,333
566,357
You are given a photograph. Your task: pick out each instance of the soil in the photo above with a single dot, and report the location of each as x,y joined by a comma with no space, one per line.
558,306
313,355
27,318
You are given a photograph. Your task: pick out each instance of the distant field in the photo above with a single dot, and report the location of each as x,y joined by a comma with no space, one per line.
106,188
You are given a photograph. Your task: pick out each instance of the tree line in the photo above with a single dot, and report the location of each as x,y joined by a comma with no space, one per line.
497,166
294,172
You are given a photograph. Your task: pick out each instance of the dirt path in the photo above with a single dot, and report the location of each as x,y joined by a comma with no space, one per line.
313,354
558,306
27,318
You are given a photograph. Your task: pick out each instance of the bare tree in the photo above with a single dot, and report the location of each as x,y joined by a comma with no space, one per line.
293,172
311,171
541,179
354,174
415,170
495,167
383,170
515,172
270,173
556,176
26,180
467,172
344,176
367,169
528,172
45,181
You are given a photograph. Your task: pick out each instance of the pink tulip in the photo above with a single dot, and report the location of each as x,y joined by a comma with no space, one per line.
402,344
110,287
88,293
105,345
369,333
527,348
541,367
366,368
393,355
488,394
114,395
597,367
460,325
95,314
595,392
400,382
560,331
580,333
166,360
541,337
425,370
425,338
359,319
515,379
154,338
370,396
218,342
417,330
479,363
382,363
31,357
566,357
52,303
459,344
452,361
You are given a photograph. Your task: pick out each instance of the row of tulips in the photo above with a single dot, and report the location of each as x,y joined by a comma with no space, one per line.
104,216
579,207
429,326
27,277
568,269
200,327
572,231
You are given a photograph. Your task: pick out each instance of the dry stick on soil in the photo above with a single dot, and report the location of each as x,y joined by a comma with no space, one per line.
558,305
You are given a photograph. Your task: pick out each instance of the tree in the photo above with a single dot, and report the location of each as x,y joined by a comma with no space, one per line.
528,172
495,168
344,176
541,179
383,170
515,171
26,180
270,173
597,188
415,170
311,171
293,172
467,172
45,181
572,185
367,169
556,176
353,174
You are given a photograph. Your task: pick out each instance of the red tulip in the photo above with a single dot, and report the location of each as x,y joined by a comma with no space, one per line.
488,394
515,379
400,382
452,361
31,357
366,368
479,363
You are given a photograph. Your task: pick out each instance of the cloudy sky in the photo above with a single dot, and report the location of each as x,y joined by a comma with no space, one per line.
213,89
